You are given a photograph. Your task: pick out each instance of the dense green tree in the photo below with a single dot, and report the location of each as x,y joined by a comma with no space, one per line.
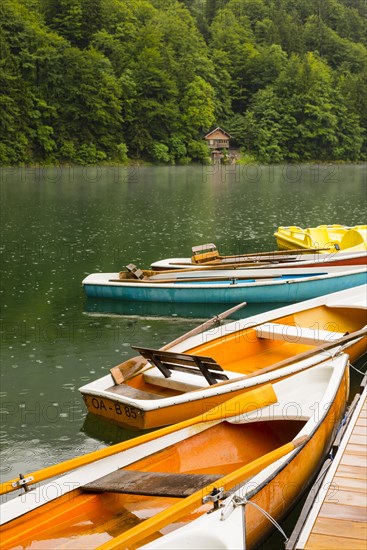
97,80
66,18
304,116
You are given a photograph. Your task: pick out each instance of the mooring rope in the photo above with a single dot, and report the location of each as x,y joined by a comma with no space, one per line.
359,371
242,501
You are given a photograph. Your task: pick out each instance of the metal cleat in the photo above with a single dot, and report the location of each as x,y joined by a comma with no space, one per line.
215,496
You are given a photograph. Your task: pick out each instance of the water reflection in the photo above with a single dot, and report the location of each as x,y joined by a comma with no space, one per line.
162,309
107,432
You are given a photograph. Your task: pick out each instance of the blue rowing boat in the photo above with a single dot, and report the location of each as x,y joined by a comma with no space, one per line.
230,286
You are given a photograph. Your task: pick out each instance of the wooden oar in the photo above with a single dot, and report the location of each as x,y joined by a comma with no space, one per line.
271,253
198,279
255,399
183,507
296,358
133,367
218,266
150,273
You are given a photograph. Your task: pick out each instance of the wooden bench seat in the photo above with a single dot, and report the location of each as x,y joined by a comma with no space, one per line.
296,334
154,484
168,361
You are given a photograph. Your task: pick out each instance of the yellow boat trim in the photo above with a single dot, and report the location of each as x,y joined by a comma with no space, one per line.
250,401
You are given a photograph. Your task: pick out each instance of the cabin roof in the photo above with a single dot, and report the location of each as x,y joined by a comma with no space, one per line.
218,129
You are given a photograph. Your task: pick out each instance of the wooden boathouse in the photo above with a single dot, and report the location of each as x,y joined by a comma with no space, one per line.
218,142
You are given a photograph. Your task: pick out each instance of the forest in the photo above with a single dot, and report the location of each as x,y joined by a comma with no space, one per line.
97,81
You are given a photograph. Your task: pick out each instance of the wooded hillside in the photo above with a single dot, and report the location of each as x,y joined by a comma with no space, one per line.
89,81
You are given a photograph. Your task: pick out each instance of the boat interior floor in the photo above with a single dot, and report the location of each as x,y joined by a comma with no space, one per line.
134,393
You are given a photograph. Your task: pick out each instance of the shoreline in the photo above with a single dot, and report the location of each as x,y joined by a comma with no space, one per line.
142,163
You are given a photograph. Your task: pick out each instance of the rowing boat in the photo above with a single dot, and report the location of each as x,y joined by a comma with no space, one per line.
323,238
183,486
223,285
274,259
161,387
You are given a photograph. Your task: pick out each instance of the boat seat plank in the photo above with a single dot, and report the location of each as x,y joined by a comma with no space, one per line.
167,361
296,334
155,484
134,393
181,381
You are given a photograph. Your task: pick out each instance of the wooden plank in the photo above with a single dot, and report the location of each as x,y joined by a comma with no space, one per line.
155,484
352,471
361,421
354,529
352,483
339,511
129,391
337,495
327,542
357,439
357,449
354,460
359,430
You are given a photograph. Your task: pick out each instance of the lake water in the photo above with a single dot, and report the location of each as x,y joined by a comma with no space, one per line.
58,225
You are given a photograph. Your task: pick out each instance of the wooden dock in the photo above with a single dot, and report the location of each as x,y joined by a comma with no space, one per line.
335,512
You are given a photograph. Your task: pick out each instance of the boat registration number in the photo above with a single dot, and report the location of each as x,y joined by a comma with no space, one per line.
115,408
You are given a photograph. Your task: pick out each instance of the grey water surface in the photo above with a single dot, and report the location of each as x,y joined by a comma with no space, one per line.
60,224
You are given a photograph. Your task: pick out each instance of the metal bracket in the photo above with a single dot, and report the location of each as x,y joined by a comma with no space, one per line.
232,503
215,496
22,482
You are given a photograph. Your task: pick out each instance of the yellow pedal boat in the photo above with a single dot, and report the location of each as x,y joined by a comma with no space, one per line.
323,238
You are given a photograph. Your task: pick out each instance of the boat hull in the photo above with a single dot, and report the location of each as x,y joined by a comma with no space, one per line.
229,292
133,416
281,494
274,444
136,417
241,348
305,260
276,493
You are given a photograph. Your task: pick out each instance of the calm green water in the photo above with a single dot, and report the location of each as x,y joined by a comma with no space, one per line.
60,225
